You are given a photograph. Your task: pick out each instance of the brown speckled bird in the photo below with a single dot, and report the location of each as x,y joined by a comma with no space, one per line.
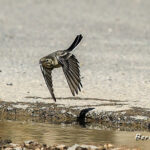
69,64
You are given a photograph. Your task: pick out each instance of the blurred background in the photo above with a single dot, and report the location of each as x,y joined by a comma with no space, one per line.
114,53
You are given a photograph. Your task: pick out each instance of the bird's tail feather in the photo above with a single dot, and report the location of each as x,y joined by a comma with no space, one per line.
75,43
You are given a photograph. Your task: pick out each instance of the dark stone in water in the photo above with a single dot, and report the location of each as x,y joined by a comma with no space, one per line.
82,116
6,141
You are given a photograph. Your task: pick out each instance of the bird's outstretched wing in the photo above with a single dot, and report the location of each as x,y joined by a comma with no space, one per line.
71,70
48,79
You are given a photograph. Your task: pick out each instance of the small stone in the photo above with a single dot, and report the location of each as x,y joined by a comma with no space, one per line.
17,148
13,145
7,141
73,147
9,109
105,146
37,149
146,137
63,111
62,147
44,145
100,147
69,113
28,143
9,84
81,148
110,146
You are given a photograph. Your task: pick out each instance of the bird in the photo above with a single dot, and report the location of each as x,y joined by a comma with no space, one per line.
69,64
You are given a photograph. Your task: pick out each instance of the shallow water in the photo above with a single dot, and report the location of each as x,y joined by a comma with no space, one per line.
67,134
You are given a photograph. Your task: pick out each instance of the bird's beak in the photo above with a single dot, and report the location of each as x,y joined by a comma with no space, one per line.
41,60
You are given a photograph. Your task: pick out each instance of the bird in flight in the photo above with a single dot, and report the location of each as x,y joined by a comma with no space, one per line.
69,64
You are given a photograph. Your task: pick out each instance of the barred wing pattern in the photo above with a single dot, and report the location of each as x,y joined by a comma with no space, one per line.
72,73
48,79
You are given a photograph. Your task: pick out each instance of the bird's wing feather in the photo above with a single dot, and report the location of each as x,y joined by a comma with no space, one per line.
71,70
48,79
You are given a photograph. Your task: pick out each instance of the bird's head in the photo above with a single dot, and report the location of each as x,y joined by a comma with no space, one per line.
46,62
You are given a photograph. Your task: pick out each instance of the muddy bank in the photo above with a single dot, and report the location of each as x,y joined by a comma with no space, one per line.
8,145
130,120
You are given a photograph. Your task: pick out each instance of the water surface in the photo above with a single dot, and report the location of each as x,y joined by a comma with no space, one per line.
67,134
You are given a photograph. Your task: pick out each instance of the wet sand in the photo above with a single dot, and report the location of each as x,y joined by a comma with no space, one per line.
130,120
